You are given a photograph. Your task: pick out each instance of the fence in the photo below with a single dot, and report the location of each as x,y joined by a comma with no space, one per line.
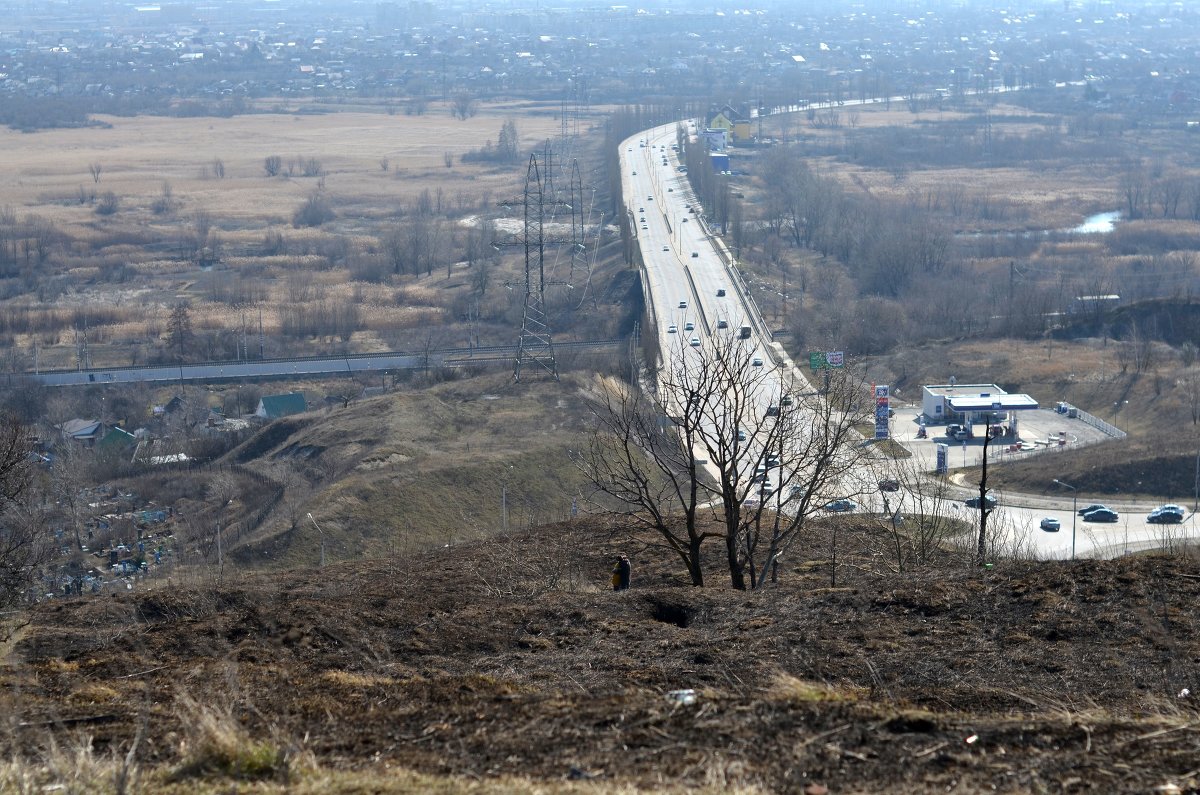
1098,424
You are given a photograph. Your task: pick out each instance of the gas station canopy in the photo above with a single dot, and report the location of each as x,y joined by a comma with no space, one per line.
972,403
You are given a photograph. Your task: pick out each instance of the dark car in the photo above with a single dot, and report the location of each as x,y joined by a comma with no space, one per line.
1089,508
841,506
988,502
889,484
1101,515
1160,516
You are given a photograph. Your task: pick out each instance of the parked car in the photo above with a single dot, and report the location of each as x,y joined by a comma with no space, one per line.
1160,516
841,506
988,502
1050,524
720,292
1101,515
756,362
889,484
671,329
721,323
695,254
689,326
695,342
1089,508
666,248
1172,508
741,435
683,304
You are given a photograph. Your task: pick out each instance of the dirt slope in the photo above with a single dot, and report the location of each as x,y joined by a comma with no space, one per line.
512,658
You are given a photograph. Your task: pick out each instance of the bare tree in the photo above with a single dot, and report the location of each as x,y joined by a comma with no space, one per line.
272,165
719,425
636,457
95,169
23,540
463,105
179,328
797,455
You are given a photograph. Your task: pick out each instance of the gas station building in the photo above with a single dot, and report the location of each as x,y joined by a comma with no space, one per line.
971,404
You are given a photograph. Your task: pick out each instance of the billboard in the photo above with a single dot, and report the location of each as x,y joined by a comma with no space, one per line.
943,458
826,360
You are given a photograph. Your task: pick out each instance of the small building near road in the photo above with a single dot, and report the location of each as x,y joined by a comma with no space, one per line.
272,407
971,404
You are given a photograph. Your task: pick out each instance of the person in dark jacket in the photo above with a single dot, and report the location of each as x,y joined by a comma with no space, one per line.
621,573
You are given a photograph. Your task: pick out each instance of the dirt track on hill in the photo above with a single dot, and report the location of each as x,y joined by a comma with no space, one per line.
510,658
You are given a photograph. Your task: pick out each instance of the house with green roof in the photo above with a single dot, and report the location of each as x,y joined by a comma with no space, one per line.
272,407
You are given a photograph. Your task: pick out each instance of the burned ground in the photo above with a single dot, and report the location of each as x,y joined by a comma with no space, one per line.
511,657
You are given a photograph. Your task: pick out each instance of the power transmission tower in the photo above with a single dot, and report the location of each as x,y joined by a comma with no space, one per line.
535,345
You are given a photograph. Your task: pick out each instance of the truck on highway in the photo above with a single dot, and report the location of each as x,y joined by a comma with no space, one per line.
744,333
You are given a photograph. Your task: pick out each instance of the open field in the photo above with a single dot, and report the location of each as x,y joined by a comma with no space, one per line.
43,172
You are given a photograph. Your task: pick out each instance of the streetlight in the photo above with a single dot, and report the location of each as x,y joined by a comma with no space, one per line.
1074,513
322,534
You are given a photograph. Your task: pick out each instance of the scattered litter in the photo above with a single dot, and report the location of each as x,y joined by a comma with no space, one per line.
974,738
1185,693
682,696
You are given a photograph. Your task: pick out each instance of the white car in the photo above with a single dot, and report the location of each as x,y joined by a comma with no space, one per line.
1051,525
695,342
672,329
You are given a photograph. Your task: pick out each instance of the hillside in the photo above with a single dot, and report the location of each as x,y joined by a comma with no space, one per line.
418,467
509,666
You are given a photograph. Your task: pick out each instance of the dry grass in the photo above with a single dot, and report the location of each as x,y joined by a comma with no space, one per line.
42,172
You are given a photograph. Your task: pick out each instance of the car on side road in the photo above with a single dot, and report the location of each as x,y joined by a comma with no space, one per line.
666,248
1050,524
1101,515
741,435
689,326
889,484
841,506
683,304
722,323
988,502
1089,508
695,254
1159,516
756,362
695,343
672,329
720,292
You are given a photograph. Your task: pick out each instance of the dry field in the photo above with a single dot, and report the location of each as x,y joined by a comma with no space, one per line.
42,172
1055,197
119,274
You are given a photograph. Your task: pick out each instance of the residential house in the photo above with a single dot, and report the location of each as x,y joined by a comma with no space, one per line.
272,407
86,432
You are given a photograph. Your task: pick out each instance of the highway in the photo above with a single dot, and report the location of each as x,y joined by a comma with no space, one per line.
683,264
